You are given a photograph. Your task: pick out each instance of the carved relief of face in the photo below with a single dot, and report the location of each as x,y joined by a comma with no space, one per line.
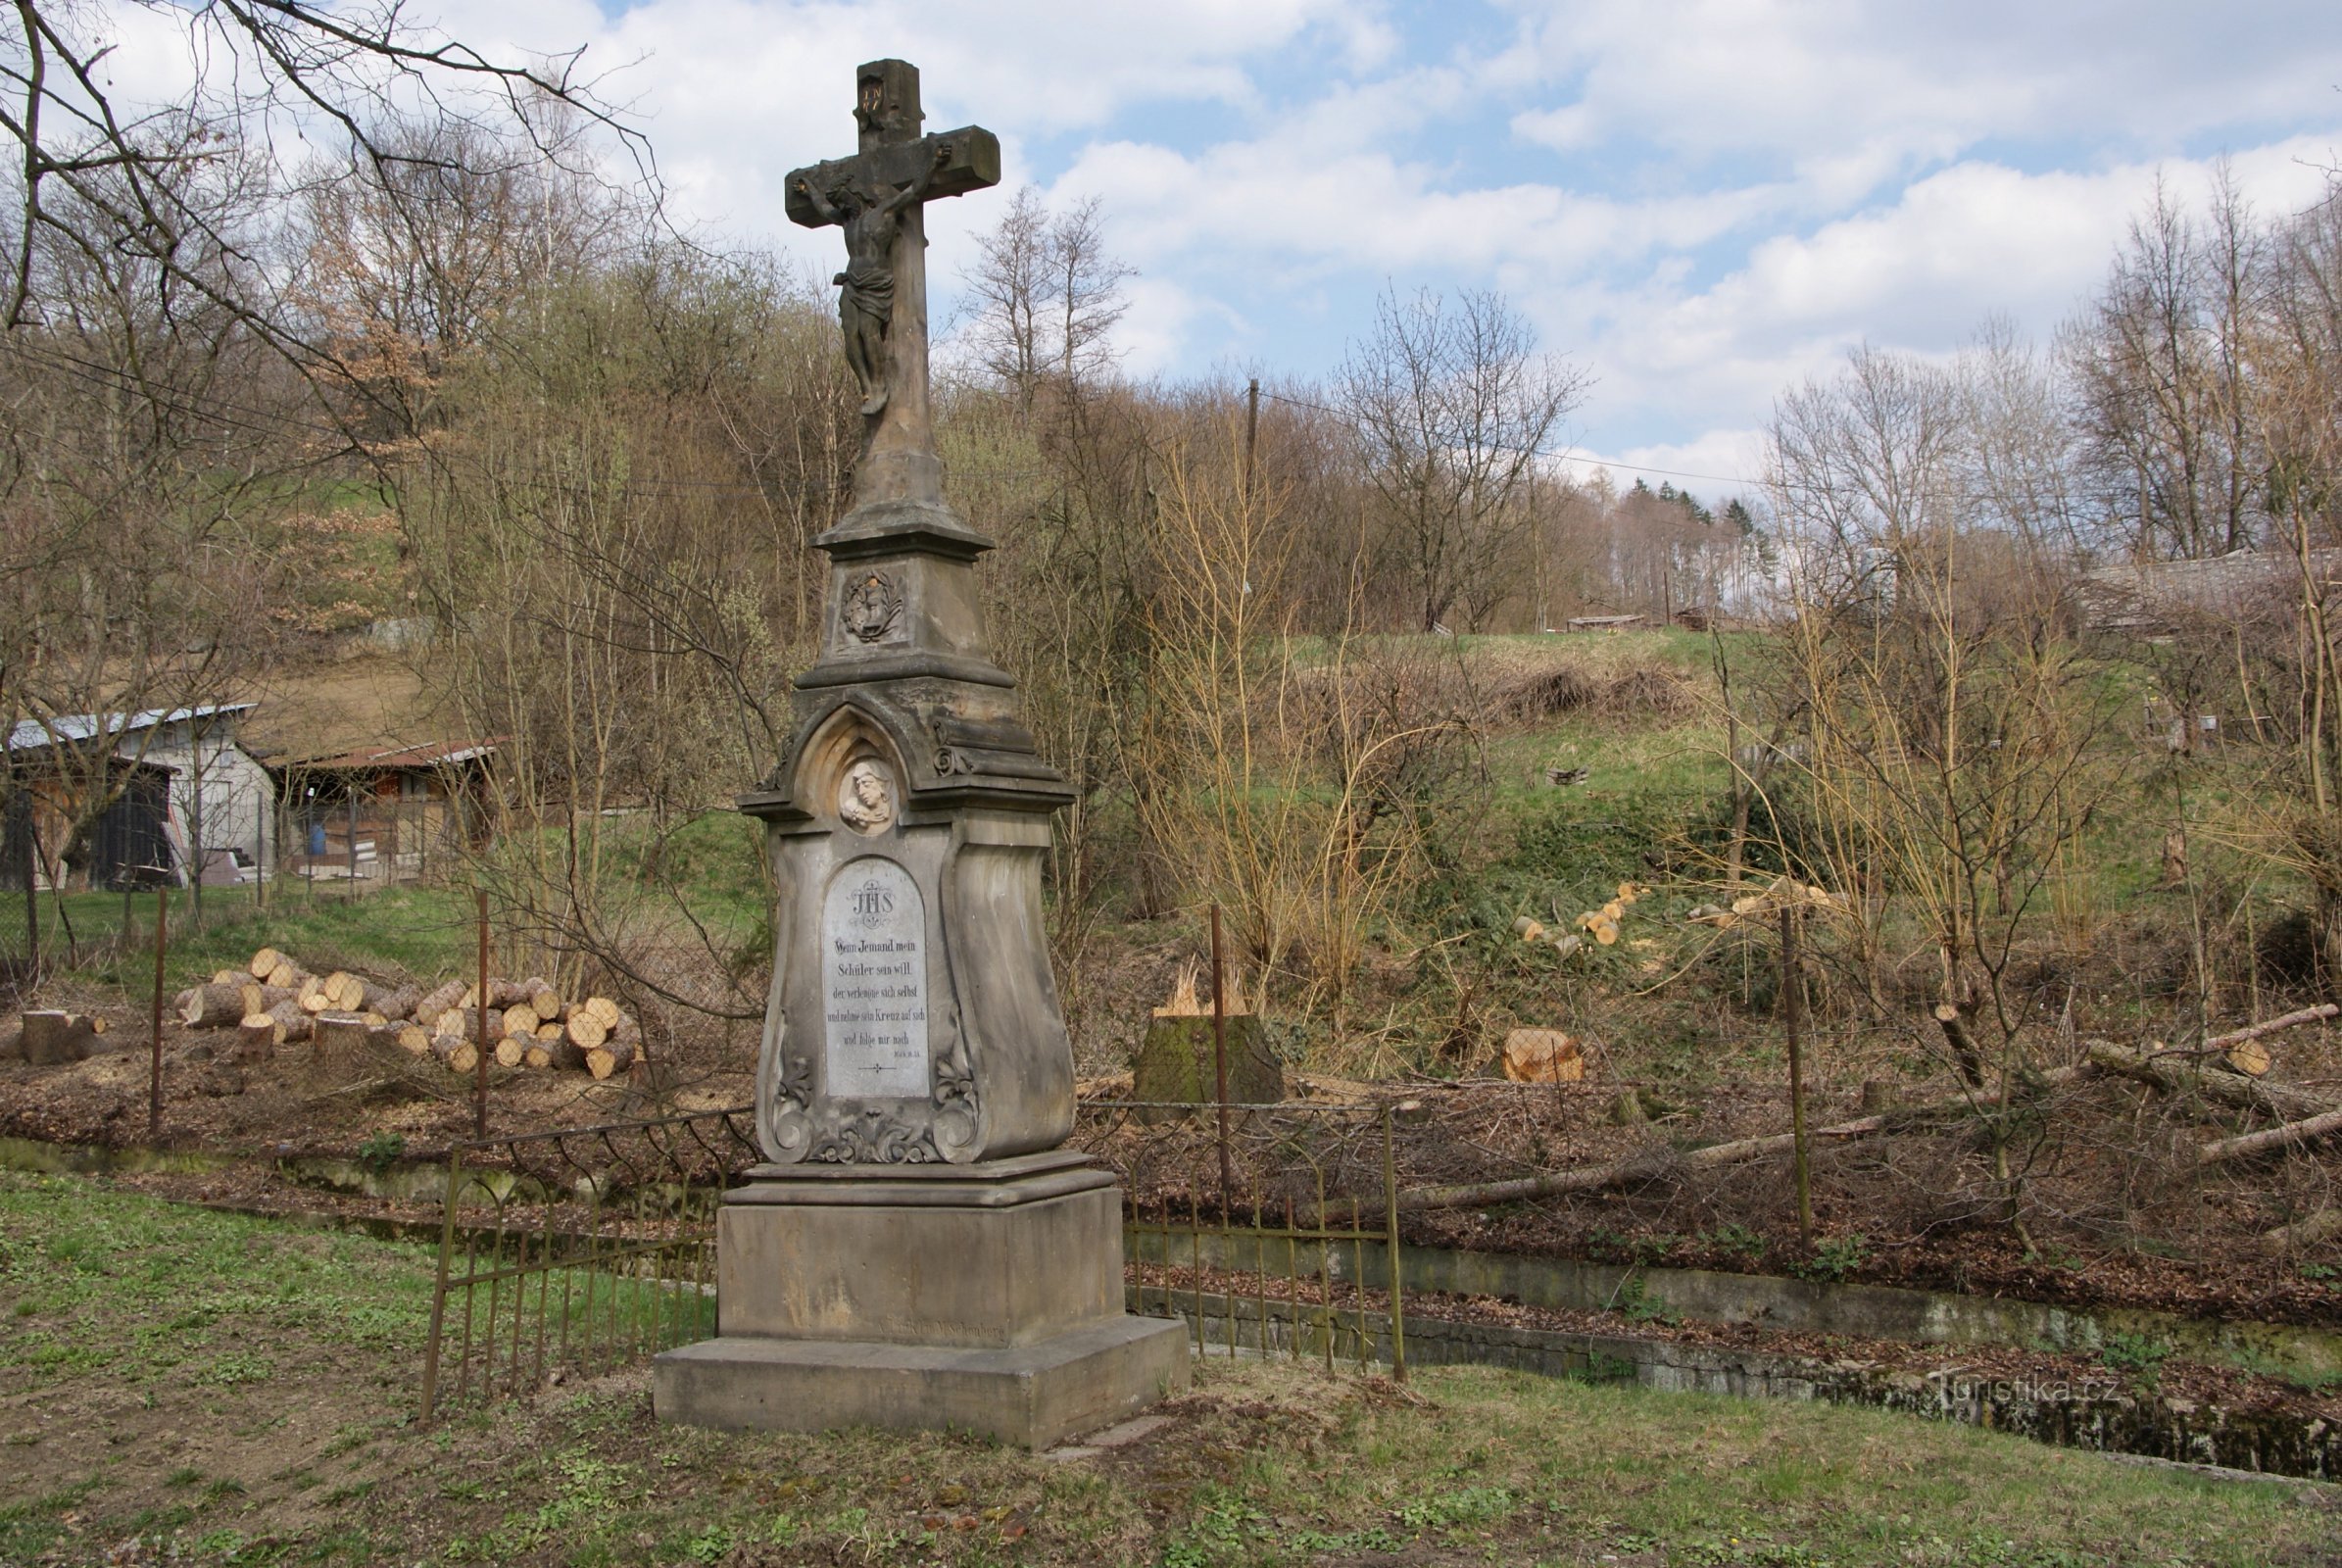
866,798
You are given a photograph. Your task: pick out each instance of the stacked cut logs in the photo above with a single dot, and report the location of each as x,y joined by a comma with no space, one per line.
273,1000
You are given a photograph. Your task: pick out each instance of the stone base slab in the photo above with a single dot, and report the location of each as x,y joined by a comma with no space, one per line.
1031,1395
950,1264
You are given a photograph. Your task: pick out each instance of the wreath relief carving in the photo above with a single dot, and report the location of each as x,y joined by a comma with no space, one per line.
872,609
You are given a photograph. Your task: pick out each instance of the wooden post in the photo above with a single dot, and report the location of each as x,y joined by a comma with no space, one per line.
195,827
1219,1055
32,895
1398,1309
154,1084
1793,992
479,1080
1252,432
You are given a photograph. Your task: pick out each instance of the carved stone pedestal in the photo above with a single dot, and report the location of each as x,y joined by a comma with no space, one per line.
985,1297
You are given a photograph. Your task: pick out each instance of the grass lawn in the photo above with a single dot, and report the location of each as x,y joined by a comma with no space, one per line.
178,1385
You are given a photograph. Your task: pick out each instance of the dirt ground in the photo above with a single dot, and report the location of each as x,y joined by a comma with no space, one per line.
2119,1217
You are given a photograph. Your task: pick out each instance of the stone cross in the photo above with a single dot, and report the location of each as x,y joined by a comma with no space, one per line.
920,1250
913,1018
878,196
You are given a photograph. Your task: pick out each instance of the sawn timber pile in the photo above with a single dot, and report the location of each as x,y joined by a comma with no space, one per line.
524,1023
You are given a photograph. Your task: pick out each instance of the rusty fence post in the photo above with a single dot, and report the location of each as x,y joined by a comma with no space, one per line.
1793,1017
154,1084
446,1248
479,1071
1398,1312
1219,1056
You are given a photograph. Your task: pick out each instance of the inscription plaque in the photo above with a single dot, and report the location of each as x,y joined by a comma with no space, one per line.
874,982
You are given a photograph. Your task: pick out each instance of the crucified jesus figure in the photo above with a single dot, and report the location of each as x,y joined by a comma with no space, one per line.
866,288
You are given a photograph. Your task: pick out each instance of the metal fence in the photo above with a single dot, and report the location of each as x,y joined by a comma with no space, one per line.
577,1251
580,1251
1252,1223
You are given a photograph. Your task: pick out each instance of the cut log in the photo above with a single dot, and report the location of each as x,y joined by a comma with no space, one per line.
604,1008
521,1019
181,1000
228,977
544,1001
1543,1056
585,1030
559,1054
466,1021
456,1054
509,993
264,963
388,1036
551,1031
270,996
413,1039
258,1035
436,1002
213,1006
627,1032
607,1061
536,1058
295,1020
510,1049
1963,1044
393,1002
286,976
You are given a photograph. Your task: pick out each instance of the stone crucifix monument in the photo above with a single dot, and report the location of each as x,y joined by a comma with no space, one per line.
919,1250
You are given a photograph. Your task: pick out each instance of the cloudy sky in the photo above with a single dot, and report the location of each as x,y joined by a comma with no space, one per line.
1698,201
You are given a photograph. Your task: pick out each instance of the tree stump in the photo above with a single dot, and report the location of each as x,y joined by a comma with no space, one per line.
1175,1067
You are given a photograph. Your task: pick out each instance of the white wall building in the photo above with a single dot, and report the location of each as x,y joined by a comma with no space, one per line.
219,797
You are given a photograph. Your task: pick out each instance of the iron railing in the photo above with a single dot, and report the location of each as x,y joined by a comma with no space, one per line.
577,1251
580,1251
1256,1229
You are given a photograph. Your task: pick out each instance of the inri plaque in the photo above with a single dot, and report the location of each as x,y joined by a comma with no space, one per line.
875,991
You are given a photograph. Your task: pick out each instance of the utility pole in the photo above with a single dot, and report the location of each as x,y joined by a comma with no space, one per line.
1252,432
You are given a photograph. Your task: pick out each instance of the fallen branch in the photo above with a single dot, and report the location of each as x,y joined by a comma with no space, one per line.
2230,1089
2302,1235
2238,1047
2246,1145
1662,1162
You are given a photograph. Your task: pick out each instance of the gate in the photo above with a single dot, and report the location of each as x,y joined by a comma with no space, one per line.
577,1251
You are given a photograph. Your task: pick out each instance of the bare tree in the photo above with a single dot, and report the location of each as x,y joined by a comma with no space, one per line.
1451,410
2157,363
99,175
1047,294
